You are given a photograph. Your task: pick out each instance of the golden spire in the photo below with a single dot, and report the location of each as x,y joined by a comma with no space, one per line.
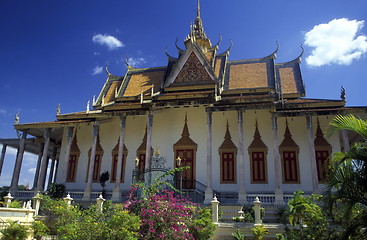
197,33
198,10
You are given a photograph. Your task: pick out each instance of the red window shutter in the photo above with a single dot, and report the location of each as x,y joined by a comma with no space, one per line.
258,167
228,168
290,166
321,162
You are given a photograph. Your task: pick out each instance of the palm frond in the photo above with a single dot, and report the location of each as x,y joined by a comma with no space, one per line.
348,122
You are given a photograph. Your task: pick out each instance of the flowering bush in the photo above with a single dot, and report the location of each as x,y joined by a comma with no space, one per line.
164,215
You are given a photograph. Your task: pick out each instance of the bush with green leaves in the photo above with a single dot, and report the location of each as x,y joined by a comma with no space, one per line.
15,231
260,231
202,226
56,190
307,219
39,229
74,223
238,235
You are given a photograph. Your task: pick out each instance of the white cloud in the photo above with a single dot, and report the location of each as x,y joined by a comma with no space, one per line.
32,170
11,151
3,111
29,159
110,41
135,62
97,70
5,180
336,42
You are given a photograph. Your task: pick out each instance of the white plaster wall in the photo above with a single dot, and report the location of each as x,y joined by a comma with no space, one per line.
167,129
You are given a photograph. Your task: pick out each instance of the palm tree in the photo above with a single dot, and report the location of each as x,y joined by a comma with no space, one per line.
345,194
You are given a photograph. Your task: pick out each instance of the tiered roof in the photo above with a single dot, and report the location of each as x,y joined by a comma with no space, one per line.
199,75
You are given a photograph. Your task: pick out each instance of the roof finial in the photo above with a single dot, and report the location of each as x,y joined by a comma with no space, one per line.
58,109
16,120
342,93
198,10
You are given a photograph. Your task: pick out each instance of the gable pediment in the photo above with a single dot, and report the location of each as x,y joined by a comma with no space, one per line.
192,69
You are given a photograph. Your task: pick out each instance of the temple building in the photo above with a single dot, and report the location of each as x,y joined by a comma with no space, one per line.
244,127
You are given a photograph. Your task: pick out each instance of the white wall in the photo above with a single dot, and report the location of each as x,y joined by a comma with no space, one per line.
167,129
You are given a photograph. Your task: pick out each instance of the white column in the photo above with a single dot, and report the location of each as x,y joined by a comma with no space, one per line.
345,139
88,187
242,198
52,169
3,151
44,161
40,153
279,200
116,194
209,189
57,169
148,163
69,140
311,144
18,164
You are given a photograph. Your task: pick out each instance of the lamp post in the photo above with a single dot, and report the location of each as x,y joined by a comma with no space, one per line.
179,165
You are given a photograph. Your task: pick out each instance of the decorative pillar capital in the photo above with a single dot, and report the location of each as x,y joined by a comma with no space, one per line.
122,120
47,132
150,118
95,129
240,117
309,121
274,121
209,115
69,132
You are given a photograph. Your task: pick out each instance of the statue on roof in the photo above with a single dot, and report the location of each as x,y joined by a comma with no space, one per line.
342,93
16,120
58,110
88,103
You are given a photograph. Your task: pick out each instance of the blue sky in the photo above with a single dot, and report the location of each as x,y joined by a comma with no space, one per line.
54,52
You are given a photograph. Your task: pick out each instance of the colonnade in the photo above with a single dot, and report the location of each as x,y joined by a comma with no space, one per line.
43,159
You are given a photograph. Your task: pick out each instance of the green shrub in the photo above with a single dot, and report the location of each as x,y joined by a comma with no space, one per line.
75,223
39,229
238,235
56,190
260,231
202,226
16,204
14,231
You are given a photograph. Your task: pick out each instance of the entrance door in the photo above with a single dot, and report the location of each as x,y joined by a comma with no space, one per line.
188,175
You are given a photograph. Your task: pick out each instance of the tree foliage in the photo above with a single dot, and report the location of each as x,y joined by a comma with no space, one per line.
346,189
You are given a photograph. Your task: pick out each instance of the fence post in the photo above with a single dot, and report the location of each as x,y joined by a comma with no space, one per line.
68,200
8,199
256,207
215,209
37,202
100,201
